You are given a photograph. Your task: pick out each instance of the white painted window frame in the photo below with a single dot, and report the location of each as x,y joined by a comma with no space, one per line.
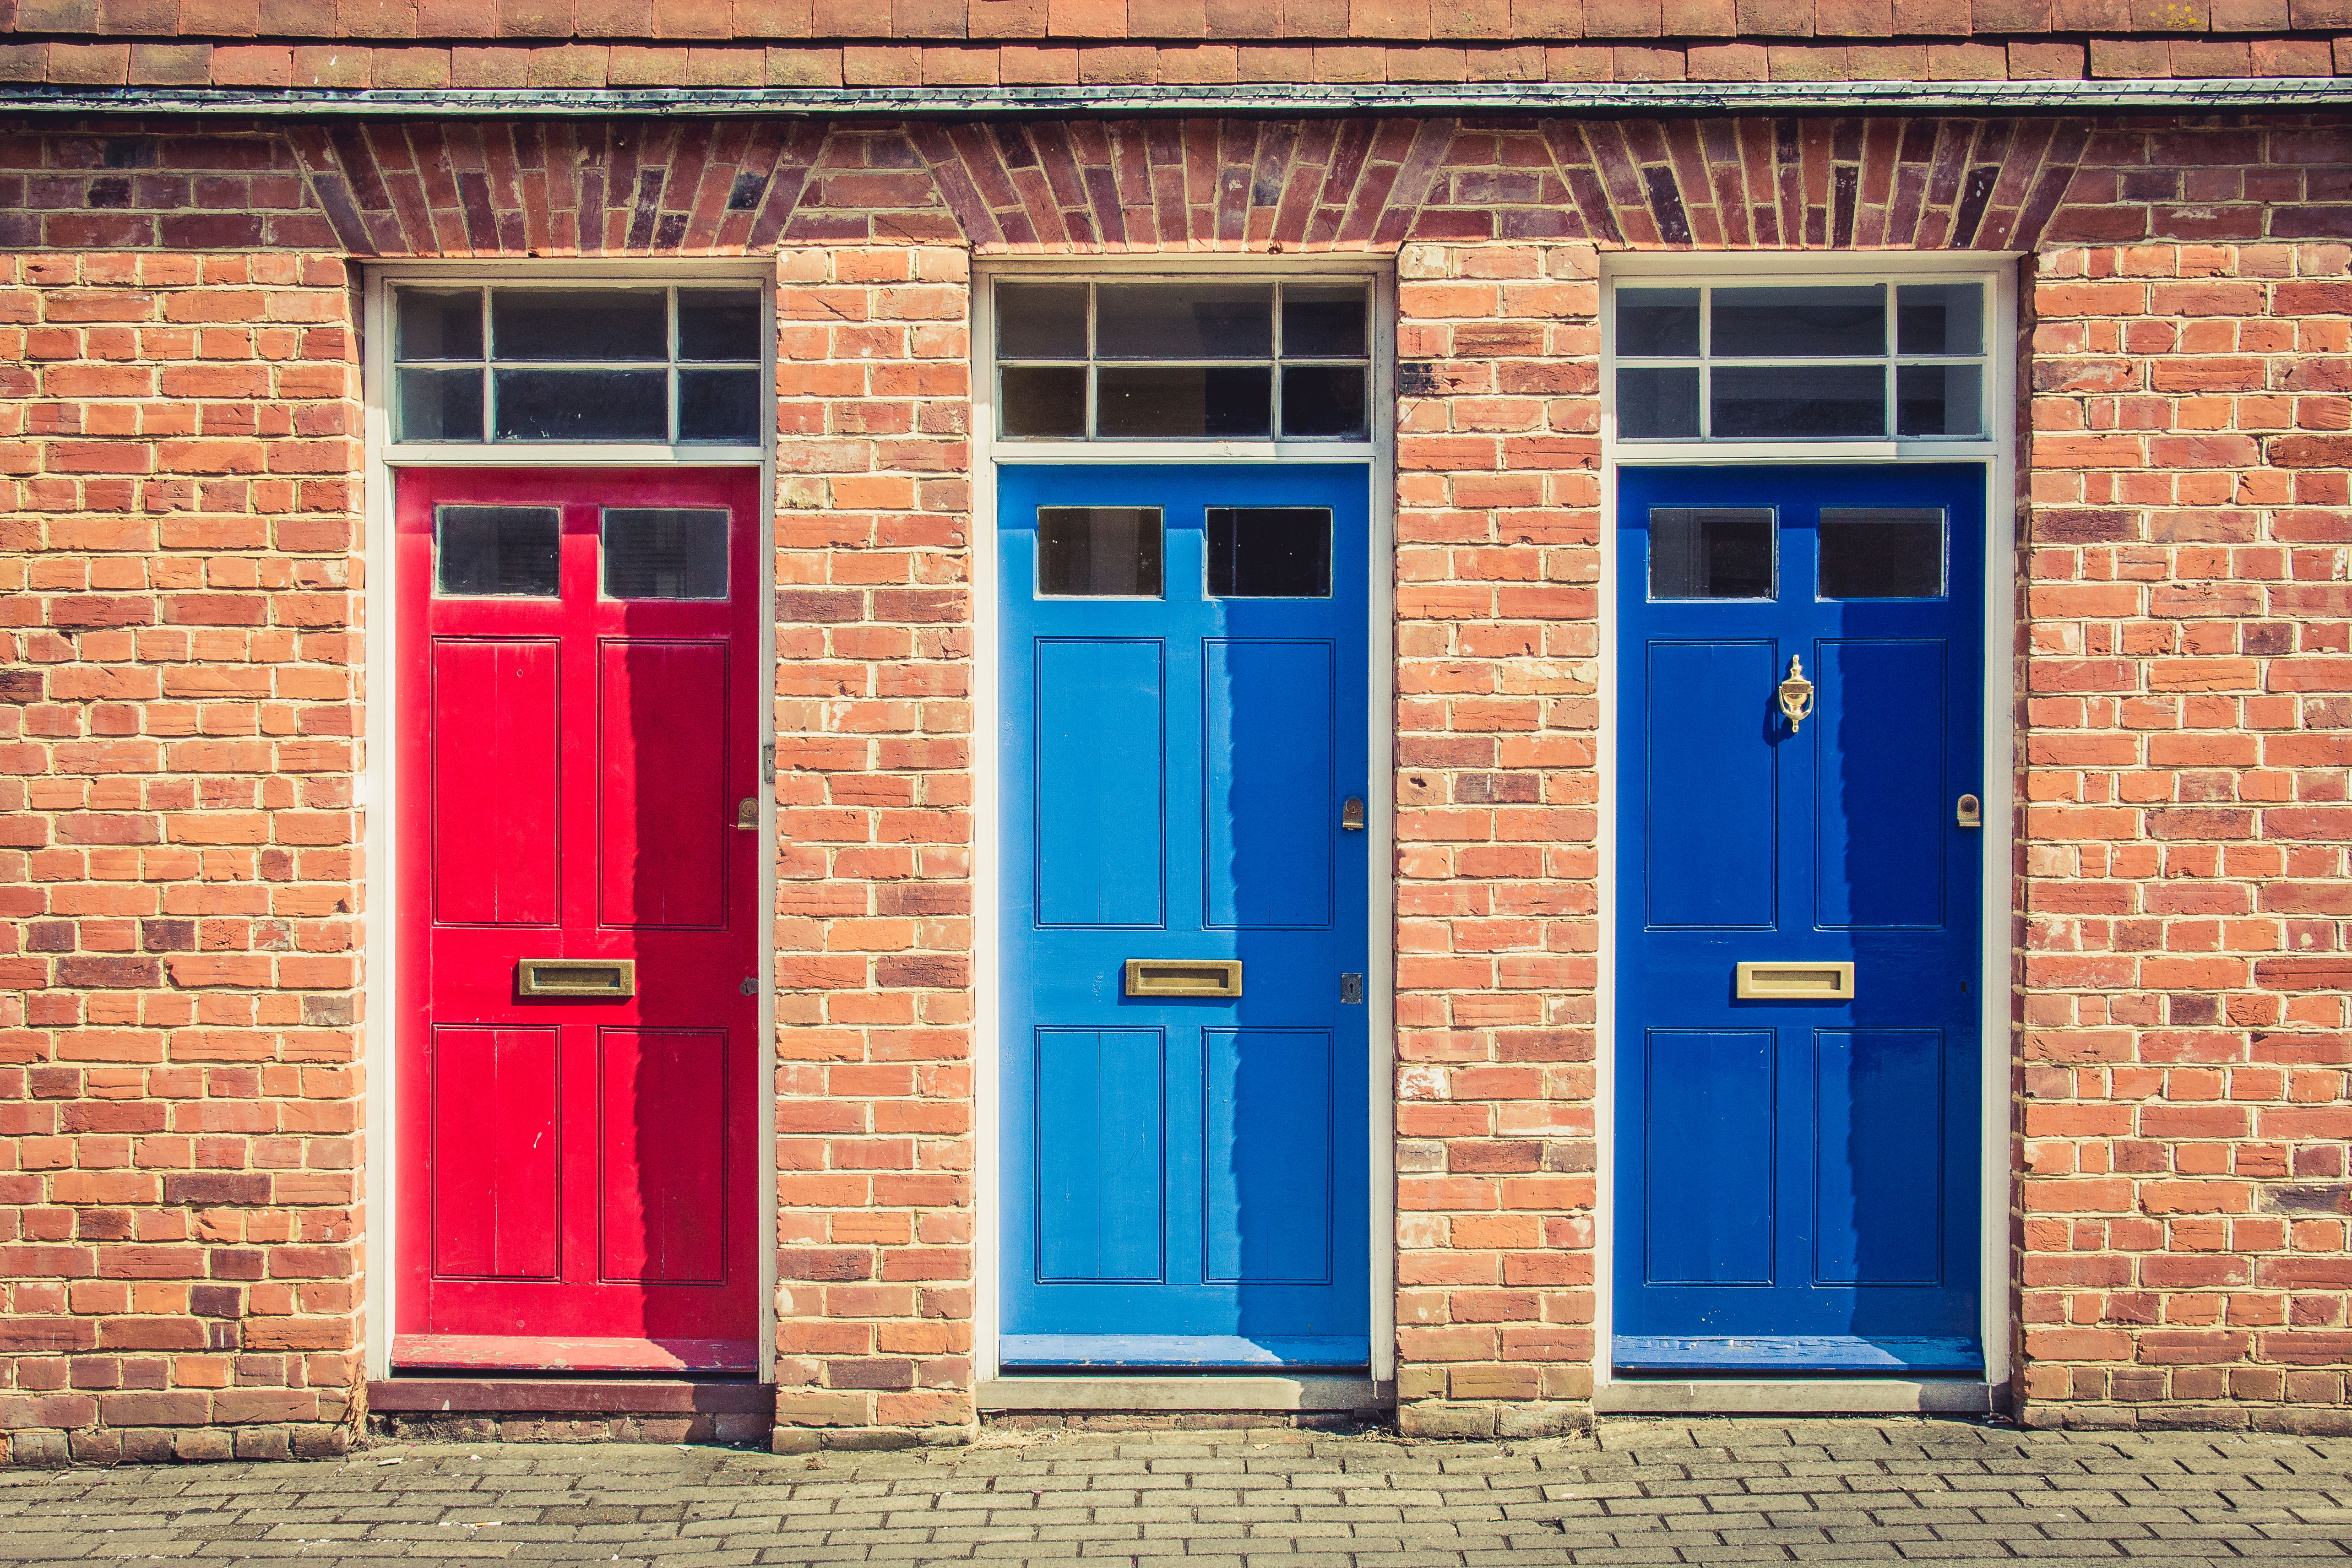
1998,452
1378,455
377,783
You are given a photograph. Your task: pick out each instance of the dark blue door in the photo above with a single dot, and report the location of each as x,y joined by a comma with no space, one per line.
1183,921
1799,922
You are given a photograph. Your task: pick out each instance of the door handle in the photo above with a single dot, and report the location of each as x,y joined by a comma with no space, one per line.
1796,695
583,979
1183,977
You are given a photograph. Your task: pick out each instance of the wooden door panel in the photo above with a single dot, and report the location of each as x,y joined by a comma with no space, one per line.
1882,710
665,824
663,1121
1878,1098
1709,1123
1714,858
497,750
1101,1179
1266,1209
1267,762
495,1150
1101,781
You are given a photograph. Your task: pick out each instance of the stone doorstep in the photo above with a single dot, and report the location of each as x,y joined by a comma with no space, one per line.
1353,1395
1799,1396
568,1397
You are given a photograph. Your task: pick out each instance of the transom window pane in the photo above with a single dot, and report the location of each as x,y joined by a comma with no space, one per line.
1939,400
435,324
1328,322
513,552
578,323
1712,552
1799,361
718,324
1139,400
1044,400
1099,552
665,552
1269,553
1657,400
718,406
1324,400
1757,400
652,365
1939,319
1760,323
1882,552
440,405
1144,361
1041,320
1657,321
1184,321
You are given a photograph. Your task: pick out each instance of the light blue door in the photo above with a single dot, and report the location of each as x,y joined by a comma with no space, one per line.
1185,1070
1798,1145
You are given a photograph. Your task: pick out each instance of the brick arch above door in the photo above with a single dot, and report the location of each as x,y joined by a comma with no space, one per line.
1089,186
649,187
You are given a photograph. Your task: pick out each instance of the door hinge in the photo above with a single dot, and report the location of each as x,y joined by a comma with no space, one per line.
768,762
1351,987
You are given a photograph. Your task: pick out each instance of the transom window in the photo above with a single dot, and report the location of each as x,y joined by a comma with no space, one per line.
1762,362
1135,361
649,363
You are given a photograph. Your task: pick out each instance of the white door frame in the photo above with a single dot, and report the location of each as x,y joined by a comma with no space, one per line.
991,451
378,785
1997,453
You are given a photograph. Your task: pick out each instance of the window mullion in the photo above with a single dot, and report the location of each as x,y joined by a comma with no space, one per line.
489,381
1273,410
1705,361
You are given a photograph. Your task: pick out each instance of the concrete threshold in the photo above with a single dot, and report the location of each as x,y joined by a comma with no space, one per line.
1248,1392
1799,1396
567,1397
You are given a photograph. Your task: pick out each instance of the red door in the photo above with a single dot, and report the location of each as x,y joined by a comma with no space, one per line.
578,1051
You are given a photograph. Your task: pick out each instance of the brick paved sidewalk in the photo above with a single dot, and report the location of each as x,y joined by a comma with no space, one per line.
1755,1490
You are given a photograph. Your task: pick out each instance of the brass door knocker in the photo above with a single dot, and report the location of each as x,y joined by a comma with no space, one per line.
1796,695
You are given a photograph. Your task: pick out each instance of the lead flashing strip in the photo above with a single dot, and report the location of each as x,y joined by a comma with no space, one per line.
1274,98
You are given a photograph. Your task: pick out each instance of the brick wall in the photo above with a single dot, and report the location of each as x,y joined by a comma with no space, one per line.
179,1073
873,762
1498,494
2183,1055
181,898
